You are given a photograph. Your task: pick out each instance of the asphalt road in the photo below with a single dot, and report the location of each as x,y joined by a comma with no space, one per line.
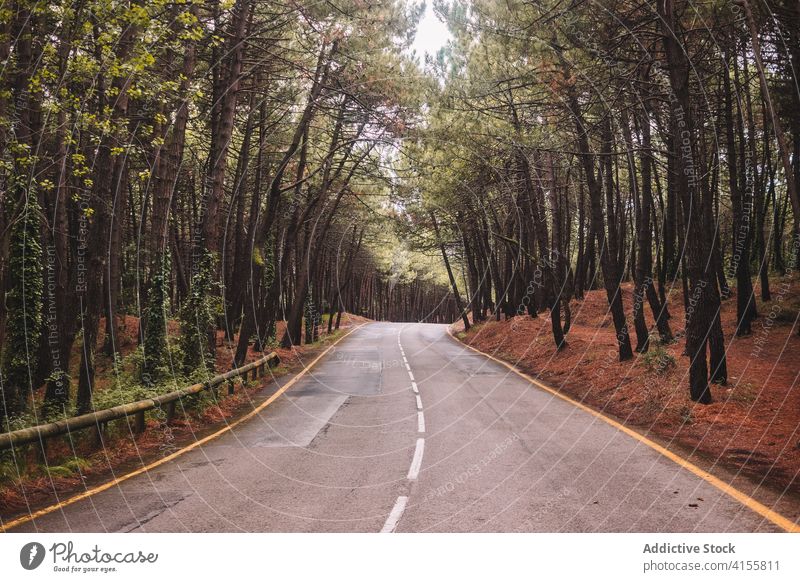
400,428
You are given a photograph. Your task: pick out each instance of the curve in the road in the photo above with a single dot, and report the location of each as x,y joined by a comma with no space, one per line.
726,488
403,428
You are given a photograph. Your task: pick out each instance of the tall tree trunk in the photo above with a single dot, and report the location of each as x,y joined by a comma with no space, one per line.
608,256
224,125
462,312
740,257
107,176
704,300
777,127
645,254
643,241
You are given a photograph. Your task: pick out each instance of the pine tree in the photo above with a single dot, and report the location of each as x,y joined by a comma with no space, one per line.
24,304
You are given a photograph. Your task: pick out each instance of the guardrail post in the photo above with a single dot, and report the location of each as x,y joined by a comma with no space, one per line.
170,411
100,433
138,423
41,450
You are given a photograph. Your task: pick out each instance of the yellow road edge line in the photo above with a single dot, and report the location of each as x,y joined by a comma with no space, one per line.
108,485
756,506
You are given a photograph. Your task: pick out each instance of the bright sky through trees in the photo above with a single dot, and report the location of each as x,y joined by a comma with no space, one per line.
432,34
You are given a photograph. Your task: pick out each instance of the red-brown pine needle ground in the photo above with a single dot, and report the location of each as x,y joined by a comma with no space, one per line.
753,425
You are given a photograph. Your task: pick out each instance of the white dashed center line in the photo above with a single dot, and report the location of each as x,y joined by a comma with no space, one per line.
395,514
416,462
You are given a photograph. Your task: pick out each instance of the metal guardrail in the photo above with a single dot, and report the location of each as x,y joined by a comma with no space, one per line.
99,418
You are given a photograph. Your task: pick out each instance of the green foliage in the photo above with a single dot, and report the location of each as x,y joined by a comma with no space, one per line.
268,258
658,360
21,420
130,75
57,396
69,468
24,304
57,402
128,386
9,468
155,340
198,317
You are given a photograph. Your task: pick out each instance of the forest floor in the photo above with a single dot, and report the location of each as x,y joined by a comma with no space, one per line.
28,482
753,424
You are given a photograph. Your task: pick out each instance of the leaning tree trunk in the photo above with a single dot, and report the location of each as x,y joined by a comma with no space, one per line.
608,256
645,255
643,239
777,127
450,276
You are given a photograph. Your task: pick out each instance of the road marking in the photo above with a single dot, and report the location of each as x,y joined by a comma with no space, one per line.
416,462
395,514
100,488
730,490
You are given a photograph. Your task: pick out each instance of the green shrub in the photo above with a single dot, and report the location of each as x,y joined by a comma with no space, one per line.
658,360
9,468
69,468
127,385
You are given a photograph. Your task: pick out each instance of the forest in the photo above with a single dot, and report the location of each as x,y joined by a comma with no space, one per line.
237,174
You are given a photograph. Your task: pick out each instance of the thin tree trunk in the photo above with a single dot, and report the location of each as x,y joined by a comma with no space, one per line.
456,296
